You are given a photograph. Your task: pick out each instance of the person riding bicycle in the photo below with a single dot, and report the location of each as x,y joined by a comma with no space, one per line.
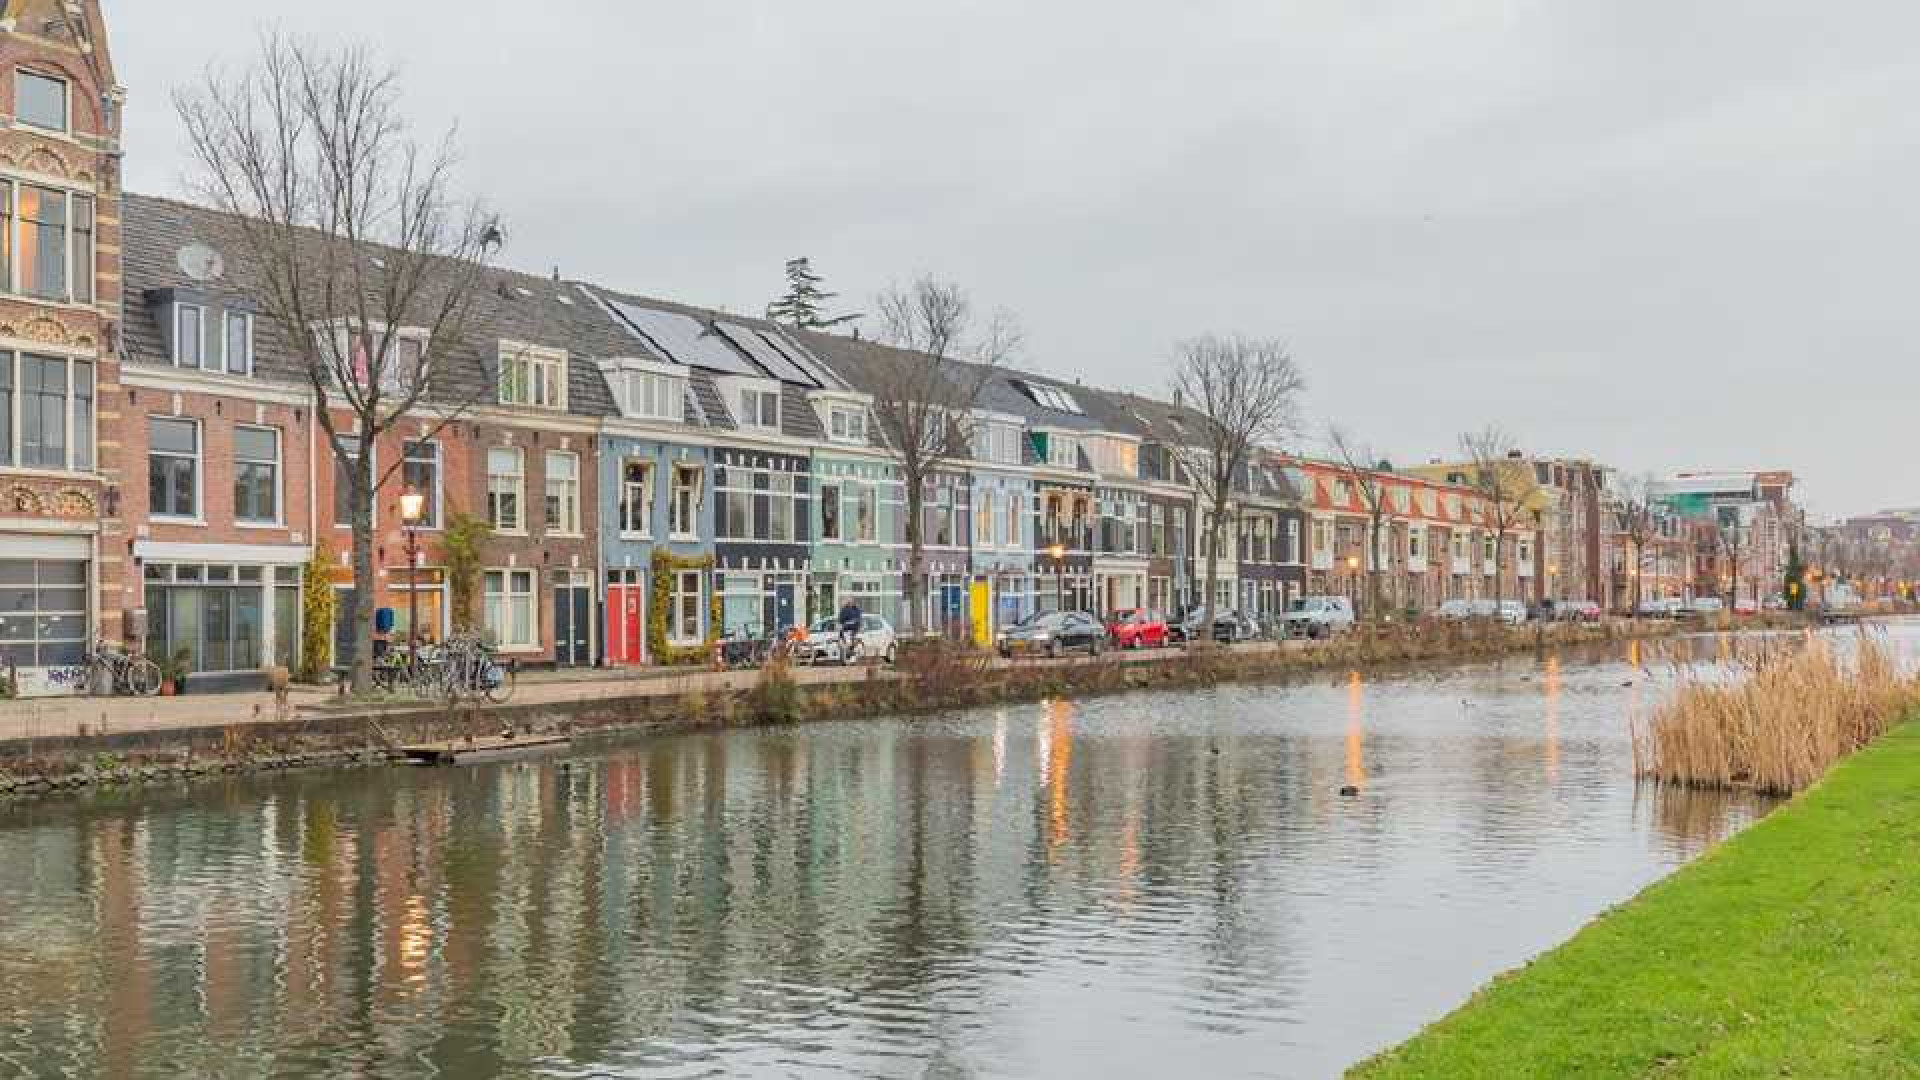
849,627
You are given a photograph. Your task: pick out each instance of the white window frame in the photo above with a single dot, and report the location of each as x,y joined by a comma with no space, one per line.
759,395
66,99
11,279
199,466
279,478
847,424
645,531
829,494
519,490
226,341
502,600
543,383
569,496
437,495
691,490
1061,445
79,443
180,336
677,594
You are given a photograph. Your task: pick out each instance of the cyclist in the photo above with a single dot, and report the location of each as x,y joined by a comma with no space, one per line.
849,628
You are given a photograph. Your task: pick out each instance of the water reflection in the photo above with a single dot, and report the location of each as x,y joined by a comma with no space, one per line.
1129,886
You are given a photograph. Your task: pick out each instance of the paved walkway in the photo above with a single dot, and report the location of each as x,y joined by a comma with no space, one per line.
40,718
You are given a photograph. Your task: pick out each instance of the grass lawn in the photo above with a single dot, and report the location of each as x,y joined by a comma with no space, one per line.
1791,950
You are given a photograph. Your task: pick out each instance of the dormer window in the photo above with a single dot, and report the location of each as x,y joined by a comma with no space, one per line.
239,343
532,375
1063,451
40,100
400,352
847,424
759,408
647,390
189,335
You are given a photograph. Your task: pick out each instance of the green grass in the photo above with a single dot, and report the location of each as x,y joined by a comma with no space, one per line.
1791,950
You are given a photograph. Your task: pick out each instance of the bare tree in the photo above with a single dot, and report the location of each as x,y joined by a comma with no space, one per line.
924,394
1638,509
1732,542
1506,482
1247,393
356,250
1365,469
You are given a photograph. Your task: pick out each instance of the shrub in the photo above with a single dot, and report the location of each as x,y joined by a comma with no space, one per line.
774,697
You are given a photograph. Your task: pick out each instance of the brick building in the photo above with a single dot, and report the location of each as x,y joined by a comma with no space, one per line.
63,557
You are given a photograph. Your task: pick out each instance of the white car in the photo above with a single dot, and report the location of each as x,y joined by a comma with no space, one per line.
822,645
1455,609
1319,616
1513,612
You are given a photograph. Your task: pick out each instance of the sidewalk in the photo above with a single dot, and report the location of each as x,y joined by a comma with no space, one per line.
39,718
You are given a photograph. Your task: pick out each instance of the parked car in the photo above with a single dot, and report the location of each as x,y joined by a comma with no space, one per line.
1319,616
1704,605
1512,612
1745,607
1137,628
1455,609
822,645
1582,610
1053,633
1660,609
1228,626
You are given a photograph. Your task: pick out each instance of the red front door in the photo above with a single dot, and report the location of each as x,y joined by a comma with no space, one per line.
625,638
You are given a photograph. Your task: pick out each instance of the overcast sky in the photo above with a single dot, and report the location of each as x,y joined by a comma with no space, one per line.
1661,233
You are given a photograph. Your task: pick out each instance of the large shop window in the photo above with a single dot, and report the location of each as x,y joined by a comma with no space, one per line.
420,472
173,467
55,411
256,475
48,244
219,614
506,480
43,612
509,608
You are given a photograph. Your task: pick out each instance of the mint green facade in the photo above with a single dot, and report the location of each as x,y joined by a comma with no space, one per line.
858,535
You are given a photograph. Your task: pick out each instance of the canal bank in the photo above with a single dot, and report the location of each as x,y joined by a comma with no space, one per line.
112,743
1787,951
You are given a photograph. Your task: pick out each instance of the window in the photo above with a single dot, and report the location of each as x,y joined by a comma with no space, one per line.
997,442
759,408
256,475
685,501
239,341
636,497
505,485
1293,540
563,491
780,508
1016,510
43,242
45,612
173,467
1413,543
40,100
848,423
508,608
533,376
189,335
684,627
420,472
343,482
44,407
985,506
651,395
866,513
1063,451
830,512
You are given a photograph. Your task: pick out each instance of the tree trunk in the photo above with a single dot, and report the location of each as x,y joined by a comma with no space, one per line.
916,559
1213,576
360,500
1639,570
1373,575
1499,580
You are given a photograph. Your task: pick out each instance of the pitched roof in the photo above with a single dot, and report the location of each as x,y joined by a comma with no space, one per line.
507,305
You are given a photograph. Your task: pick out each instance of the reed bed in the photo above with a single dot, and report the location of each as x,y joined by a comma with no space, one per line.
1773,716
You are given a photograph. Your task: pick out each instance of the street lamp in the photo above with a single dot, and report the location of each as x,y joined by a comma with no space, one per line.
1058,554
412,503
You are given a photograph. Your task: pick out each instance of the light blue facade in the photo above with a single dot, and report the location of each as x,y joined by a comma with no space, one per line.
1002,541
857,535
635,470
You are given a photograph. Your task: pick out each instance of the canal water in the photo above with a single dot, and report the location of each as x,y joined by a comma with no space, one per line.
1136,886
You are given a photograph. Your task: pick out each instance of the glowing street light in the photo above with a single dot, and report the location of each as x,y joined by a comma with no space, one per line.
412,505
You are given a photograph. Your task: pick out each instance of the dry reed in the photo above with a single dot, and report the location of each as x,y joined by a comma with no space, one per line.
1788,711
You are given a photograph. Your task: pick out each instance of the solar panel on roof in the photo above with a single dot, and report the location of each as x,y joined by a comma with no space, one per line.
684,339
801,358
757,346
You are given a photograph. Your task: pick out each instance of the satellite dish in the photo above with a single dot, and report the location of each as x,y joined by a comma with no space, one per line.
200,262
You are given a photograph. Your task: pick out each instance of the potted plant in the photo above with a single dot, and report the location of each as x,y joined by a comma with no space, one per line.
173,671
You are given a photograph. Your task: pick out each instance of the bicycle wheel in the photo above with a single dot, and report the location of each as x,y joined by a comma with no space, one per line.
142,677
496,682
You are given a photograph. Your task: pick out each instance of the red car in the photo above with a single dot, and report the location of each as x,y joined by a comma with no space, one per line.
1137,628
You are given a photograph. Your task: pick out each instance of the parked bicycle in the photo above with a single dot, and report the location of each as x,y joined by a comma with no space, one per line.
467,667
420,673
112,670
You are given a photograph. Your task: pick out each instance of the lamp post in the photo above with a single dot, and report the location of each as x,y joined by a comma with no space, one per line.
1059,556
1353,582
411,505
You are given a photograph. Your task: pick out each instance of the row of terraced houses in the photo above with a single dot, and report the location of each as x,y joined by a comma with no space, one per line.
654,474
